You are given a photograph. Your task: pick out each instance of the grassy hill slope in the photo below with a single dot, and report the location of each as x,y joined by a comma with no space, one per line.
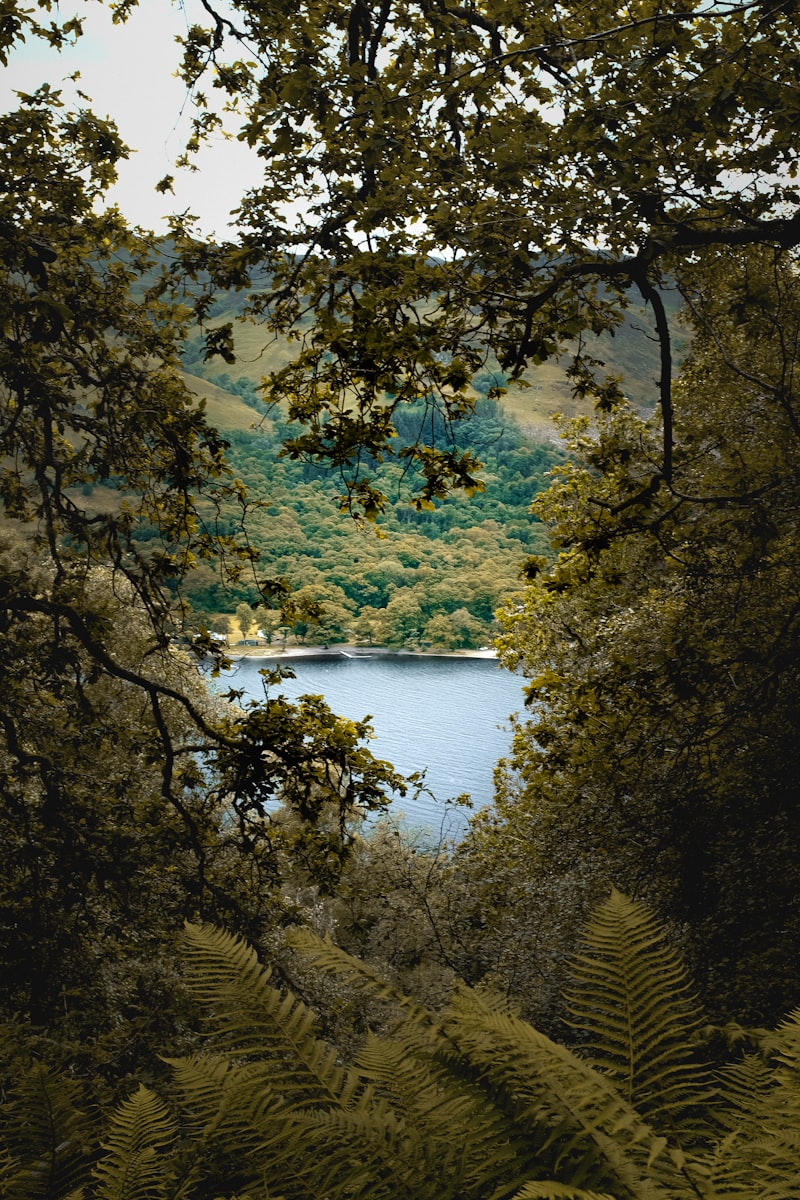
631,353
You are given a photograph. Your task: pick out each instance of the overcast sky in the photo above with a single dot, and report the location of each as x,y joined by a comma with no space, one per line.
128,72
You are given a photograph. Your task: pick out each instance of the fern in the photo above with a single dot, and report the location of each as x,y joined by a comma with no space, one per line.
47,1139
251,1018
435,1094
631,1003
761,1154
431,1088
329,957
390,1120
586,1133
133,1167
469,1104
519,1100
558,1191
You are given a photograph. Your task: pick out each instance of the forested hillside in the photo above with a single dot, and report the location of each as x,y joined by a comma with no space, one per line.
429,576
425,577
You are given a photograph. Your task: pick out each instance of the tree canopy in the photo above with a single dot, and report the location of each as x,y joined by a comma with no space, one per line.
126,793
662,651
451,186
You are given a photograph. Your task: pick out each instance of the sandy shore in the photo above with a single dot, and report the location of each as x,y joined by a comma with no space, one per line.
279,653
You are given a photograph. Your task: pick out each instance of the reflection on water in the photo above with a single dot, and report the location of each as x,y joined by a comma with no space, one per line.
446,716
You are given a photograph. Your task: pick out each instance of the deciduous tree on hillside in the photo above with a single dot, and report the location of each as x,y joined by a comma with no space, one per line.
662,648
450,186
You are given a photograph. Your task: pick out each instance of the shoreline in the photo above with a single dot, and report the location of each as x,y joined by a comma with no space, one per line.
347,650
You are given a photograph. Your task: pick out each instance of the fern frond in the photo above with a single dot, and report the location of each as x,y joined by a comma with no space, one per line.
244,1128
377,1152
47,1136
426,1083
251,1019
786,1043
632,1004
436,1094
557,1191
210,1093
571,1114
133,1167
761,1155
201,1081
587,1132
326,955
368,1152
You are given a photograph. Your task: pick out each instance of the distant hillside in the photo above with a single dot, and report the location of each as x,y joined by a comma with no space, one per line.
632,353
226,409
432,578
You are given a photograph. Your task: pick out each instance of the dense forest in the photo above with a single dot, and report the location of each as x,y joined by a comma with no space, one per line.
426,577
220,983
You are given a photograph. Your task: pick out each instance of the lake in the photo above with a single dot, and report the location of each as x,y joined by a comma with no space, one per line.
446,716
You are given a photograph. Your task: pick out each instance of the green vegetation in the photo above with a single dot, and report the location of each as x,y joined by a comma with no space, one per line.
431,577
470,1102
662,644
568,169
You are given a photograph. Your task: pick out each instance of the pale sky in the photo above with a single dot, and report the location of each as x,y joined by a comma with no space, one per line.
128,71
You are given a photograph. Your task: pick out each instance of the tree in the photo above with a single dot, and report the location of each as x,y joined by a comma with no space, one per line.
662,652
101,868
323,612
128,799
220,623
98,871
560,164
245,617
401,622
457,630
268,622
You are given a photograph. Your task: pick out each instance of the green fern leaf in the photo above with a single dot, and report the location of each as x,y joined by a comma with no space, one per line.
133,1167
251,1019
201,1080
589,1135
523,1093
47,1137
631,1003
435,1097
430,1087
475,1104
557,1191
761,1154
329,957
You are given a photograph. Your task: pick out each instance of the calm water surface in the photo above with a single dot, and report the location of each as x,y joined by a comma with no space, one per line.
446,716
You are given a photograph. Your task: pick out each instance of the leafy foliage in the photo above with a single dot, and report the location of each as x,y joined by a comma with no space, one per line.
471,1102
433,577
48,1135
114,487
559,164
131,1167
618,1007
661,649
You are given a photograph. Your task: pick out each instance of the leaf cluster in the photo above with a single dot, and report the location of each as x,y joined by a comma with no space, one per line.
450,187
